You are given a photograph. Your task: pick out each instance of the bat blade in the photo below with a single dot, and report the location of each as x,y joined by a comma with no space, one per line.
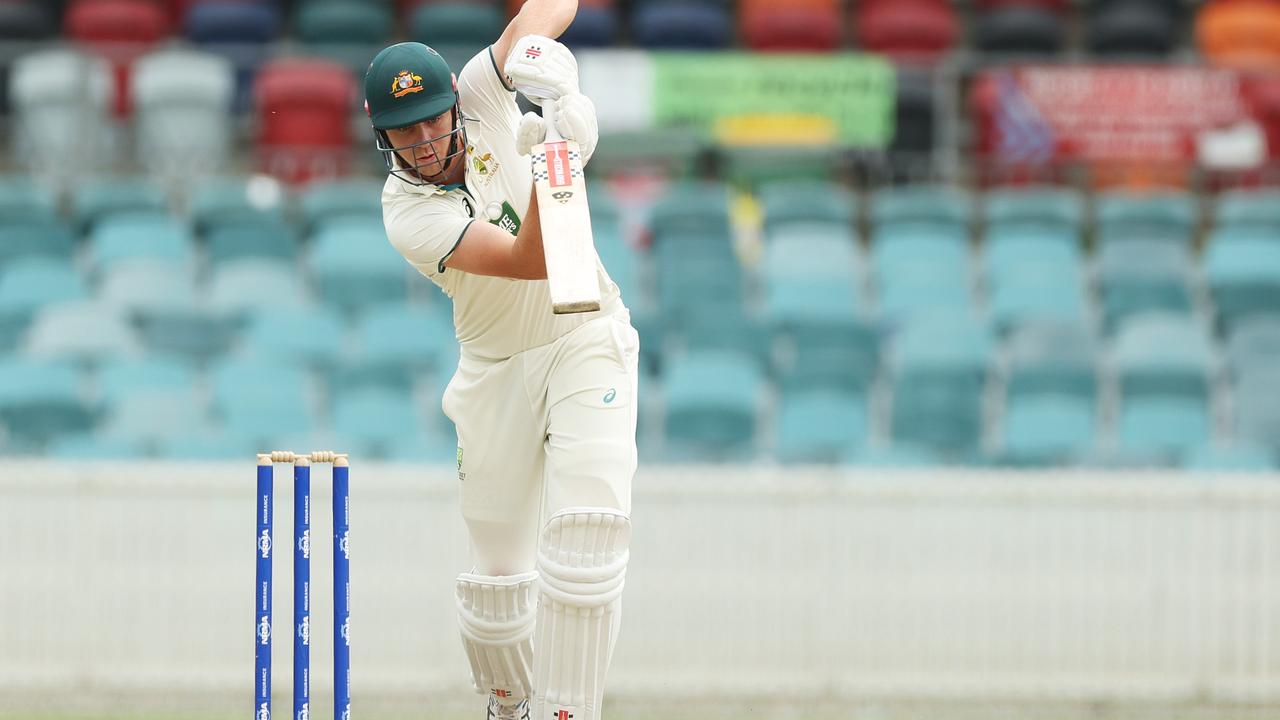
567,243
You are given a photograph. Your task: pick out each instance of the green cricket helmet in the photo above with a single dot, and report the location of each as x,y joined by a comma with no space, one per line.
405,84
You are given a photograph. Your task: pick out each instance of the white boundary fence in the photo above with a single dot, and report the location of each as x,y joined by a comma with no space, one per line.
137,579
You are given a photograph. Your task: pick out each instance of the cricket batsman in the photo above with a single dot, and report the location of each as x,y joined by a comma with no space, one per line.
544,404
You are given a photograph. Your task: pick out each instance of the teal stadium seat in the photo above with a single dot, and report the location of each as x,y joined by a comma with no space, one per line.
29,222
820,427
822,341
350,32
238,201
799,202
241,286
128,237
1035,282
394,344
311,336
1162,430
939,366
1257,414
1048,430
84,331
697,269
1163,355
691,208
147,284
712,401
1143,275
263,400
1254,344
36,237
375,418
121,378
1045,294
457,30
277,241
1007,248
1052,358
23,198
329,200
42,400
920,268
1035,209
28,284
1166,216
354,265
152,416
182,104
934,204
1242,268
1249,210
108,197
622,262
708,327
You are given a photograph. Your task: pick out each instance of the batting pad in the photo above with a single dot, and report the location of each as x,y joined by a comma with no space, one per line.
496,616
582,564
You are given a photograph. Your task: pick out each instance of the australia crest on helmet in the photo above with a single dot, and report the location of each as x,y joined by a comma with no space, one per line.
405,83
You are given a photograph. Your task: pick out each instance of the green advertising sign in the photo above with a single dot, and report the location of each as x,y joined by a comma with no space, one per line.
856,92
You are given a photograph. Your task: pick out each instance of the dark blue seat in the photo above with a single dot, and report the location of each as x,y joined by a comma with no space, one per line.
681,24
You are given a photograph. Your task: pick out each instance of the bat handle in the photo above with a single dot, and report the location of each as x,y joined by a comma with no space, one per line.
549,115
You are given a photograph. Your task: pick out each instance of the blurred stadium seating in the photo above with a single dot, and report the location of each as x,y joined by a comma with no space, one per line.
192,262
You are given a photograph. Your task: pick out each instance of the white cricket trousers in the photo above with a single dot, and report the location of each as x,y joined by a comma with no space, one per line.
546,429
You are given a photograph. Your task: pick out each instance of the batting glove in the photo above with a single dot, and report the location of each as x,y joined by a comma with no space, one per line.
575,119
541,68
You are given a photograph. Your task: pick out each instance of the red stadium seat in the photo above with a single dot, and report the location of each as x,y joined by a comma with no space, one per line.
907,30
798,25
119,30
303,110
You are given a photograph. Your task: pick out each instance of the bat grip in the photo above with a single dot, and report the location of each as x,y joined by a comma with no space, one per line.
549,115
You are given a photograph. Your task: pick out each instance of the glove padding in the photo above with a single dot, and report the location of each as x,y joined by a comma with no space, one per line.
542,68
575,119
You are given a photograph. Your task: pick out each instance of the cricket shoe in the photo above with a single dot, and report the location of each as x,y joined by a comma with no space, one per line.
498,711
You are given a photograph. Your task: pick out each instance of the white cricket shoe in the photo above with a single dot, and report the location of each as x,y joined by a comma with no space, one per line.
498,711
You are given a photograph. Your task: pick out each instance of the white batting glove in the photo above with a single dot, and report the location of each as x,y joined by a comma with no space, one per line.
575,119
541,68
532,131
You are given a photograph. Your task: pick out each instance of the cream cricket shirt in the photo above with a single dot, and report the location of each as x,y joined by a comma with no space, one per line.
494,318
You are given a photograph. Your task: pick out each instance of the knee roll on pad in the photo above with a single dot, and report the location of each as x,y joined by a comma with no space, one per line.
582,563
496,616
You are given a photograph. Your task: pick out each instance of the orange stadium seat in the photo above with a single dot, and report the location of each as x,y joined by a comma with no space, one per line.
797,25
119,30
303,109
1240,33
906,29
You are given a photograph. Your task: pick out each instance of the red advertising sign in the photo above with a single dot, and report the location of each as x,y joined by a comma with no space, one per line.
1103,114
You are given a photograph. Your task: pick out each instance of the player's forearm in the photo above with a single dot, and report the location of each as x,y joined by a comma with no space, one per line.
527,251
546,17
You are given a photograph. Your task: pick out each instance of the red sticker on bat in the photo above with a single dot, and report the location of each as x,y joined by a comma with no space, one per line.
558,173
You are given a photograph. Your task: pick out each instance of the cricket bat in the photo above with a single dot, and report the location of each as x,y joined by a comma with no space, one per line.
567,244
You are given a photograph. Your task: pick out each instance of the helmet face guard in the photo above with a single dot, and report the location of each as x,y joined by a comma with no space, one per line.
406,169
